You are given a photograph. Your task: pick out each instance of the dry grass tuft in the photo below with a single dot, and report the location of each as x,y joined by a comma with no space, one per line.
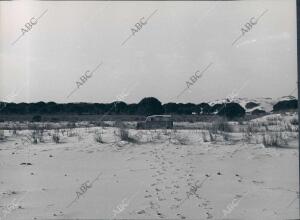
56,137
274,139
98,137
204,137
182,140
123,134
2,137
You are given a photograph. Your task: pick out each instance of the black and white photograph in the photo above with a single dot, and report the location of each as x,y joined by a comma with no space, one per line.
149,110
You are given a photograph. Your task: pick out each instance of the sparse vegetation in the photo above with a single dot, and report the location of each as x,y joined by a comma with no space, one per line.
204,137
34,137
182,140
247,136
294,121
98,137
226,136
274,139
123,134
213,137
71,133
56,137
221,125
2,137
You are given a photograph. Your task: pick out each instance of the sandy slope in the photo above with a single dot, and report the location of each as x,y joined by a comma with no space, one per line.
149,180
265,104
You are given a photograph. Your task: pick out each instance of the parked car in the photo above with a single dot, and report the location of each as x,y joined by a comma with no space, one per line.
156,122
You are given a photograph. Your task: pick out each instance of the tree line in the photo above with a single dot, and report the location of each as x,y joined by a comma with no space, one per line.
147,106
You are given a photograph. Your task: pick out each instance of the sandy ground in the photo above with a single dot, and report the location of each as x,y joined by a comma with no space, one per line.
161,179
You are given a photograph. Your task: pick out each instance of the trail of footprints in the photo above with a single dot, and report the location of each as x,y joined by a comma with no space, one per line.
164,188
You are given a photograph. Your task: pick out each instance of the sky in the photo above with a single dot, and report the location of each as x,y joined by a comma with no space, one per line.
53,58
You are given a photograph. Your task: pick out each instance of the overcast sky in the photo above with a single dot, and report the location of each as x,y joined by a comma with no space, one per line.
177,40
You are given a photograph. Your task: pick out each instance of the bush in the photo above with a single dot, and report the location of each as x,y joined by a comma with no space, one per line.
119,124
34,137
40,135
252,127
98,138
213,137
225,136
71,133
124,135
294,121
274,139
182,140
71,125
221,125
204,137
2,137
55,137
247,136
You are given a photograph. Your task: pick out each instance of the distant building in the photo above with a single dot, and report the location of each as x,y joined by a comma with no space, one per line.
156,122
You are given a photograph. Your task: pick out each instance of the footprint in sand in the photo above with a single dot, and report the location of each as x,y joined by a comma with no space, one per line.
257,182
141,212
240,178
209,216
60,214
10,192
27,164
181,216
160,214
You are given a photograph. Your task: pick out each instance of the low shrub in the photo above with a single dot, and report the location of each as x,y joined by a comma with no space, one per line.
2,137
204,137
56,137
98,137
123,134
182,140
274,139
